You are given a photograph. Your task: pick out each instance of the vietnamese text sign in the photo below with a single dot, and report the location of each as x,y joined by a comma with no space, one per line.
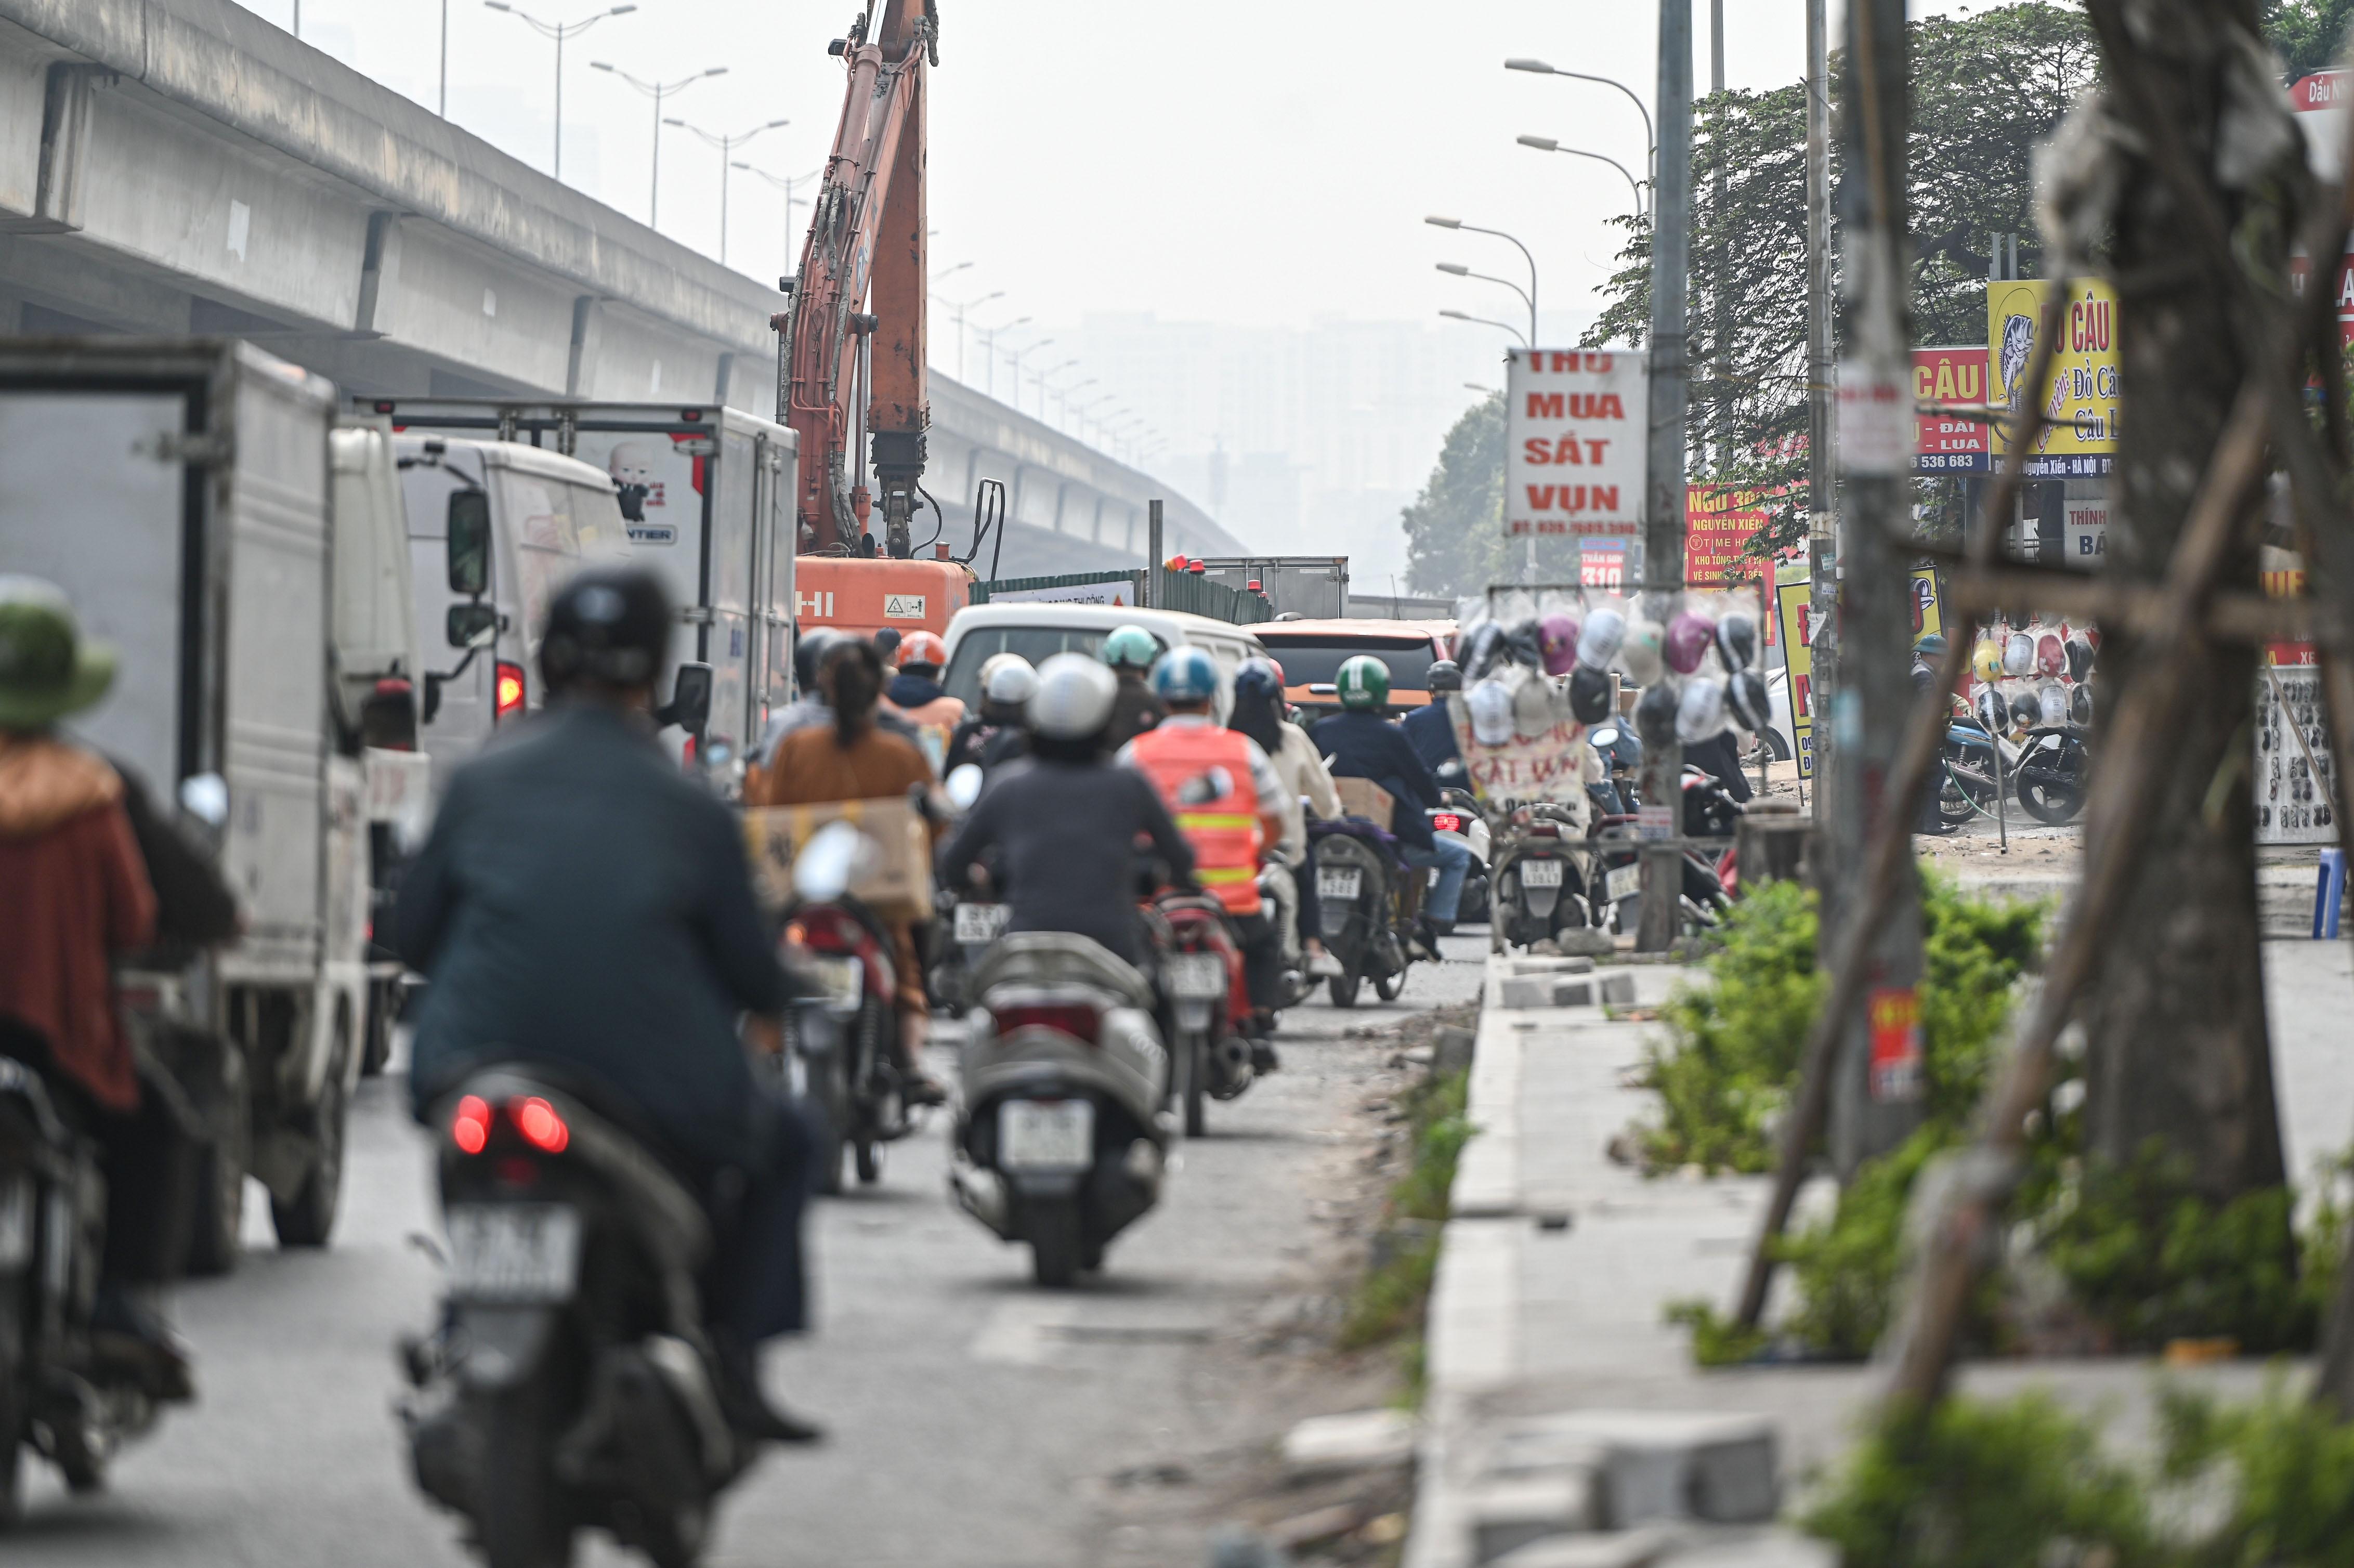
1719,524
1942,443
1797,607
1574,426
2080,401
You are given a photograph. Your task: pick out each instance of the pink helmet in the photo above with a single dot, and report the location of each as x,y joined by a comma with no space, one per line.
1557,642
2049,659
1690,637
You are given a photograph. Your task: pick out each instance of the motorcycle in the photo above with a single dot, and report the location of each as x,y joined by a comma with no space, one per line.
1201,980
2049,772
1279,891
1063,1142
963,929
1710,876
62,1395
570,1385
838,1040
1540,889
1359,884
1459,818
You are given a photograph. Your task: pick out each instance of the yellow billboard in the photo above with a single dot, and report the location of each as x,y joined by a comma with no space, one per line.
2080,399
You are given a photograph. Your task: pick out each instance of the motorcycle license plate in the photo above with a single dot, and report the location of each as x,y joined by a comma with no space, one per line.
15,1222
1539,874
1197,976
521,1253
1046,1135
1625,881
980,924
841,981
1339,884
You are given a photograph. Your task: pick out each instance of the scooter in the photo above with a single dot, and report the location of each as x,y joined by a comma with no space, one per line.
1063,1142
1540,887
1710,876
1359,879
569,1385
1461,818
1202,982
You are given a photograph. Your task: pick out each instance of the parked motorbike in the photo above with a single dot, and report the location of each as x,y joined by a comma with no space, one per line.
1710,876
1062,1143
1461,818
1202,982
1359,883
1540,885
2050,772
570,1385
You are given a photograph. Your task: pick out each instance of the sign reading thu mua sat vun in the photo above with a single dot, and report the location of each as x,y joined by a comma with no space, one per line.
1574,428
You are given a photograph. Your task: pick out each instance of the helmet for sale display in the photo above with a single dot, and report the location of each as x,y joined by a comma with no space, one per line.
2049,658
1185,674
1130,648
1491,711
1525,643
1599,639
1655,715
1699,711
1557,643
2079,705
1364,683
1446,675
2051,702
1994,714
1589,695
608,624
1074,698
922,651
1690,637
1532,709
1640,652
1480,650
1752,701
2018,654
1260,678
1986,659
1007,683
2079,654
1736,639
2025,711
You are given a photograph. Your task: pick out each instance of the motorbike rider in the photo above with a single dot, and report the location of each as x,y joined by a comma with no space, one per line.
1359,743
1431,727
78,896
1299,767
1131,651
1623,754
1000,732
1228,801
809,708
581,904
915,693
1062,828
856,759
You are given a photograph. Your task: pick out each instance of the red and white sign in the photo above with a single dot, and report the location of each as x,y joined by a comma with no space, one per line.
1952,377
1574,426
1603,565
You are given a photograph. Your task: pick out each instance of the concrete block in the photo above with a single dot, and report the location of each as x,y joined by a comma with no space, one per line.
1526,991
1616,989
1539,966
1452,1050
1360,1440
1674,1465
1605,1549
1506,1515
1765,1549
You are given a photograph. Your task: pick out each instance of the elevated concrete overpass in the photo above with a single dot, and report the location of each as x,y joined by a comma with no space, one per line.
182,165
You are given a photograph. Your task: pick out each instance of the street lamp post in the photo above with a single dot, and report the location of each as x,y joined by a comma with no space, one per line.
1547,144
727,144
657,91
1020,357
1040,380
560,31
1458,224
958,307
1651,136
1457,270
989,354
1485,321
1063,400
785,182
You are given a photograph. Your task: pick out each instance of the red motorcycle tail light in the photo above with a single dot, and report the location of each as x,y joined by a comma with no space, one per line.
1545,829
510,688
470,1130
540,1125
1076,1018
1445,822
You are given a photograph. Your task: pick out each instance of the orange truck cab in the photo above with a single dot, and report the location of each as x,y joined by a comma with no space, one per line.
863,594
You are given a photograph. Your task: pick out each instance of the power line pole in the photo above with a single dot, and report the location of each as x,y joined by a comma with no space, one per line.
1822,539
1663,511
1877,1093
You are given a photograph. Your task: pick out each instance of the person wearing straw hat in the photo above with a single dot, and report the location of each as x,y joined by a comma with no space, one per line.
78,895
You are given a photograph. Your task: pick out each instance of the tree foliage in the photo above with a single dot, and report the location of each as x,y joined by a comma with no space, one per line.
1455,529
2310,34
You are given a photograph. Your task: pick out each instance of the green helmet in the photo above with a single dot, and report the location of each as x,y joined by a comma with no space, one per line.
1364,682
1132,648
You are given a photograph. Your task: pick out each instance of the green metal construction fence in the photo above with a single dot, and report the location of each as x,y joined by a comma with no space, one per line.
1172,590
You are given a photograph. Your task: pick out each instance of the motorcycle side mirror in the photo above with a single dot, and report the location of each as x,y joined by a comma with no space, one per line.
205,797
835,857
690,699
963,786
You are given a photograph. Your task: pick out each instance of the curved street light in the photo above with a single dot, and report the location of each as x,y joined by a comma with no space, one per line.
1458,224
727,146
786,184
958,308
1456,268
1486,320
657,91
560,31
1650,137
1547,144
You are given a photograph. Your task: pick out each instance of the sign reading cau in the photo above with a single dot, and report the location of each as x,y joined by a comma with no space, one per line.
1574,428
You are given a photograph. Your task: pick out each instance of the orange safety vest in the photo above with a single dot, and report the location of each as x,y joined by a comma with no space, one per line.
1223,827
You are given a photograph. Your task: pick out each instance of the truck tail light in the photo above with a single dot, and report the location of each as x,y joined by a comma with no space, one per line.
509,687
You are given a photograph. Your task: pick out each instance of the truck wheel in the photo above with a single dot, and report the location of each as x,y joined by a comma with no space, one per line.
311,1216
213,1239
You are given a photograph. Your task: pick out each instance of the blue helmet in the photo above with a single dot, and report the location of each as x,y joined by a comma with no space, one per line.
1258,677
1185,674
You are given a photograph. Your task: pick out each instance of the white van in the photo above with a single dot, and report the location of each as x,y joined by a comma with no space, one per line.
1039,629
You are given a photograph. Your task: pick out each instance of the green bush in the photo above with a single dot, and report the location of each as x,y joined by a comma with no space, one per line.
2288,1470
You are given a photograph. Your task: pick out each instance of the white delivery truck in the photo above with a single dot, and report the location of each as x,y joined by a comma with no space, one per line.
705,493
180,492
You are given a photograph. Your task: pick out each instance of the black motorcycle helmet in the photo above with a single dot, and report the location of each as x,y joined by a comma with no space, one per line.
1655,715
609,625
811,653
1446,675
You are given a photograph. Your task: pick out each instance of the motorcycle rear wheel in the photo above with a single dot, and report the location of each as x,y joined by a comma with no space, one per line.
12,1434
1057,1252
1197,1085
1387,986
829,1086
213,1244
867,1153
521,1520
1344,988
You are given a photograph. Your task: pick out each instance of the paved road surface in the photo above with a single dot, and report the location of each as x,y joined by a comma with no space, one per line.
974,1418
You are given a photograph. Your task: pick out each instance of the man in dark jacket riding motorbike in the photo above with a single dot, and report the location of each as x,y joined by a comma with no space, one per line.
1361,744
580,905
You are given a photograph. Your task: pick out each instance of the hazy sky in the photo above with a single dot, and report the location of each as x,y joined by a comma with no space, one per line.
1203,159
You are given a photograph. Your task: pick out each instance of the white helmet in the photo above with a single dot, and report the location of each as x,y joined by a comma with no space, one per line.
1074,697
1008,680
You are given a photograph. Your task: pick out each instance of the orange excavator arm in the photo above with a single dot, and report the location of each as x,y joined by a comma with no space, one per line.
850,353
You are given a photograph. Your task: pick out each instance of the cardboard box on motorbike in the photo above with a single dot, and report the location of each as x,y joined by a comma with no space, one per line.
894,880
